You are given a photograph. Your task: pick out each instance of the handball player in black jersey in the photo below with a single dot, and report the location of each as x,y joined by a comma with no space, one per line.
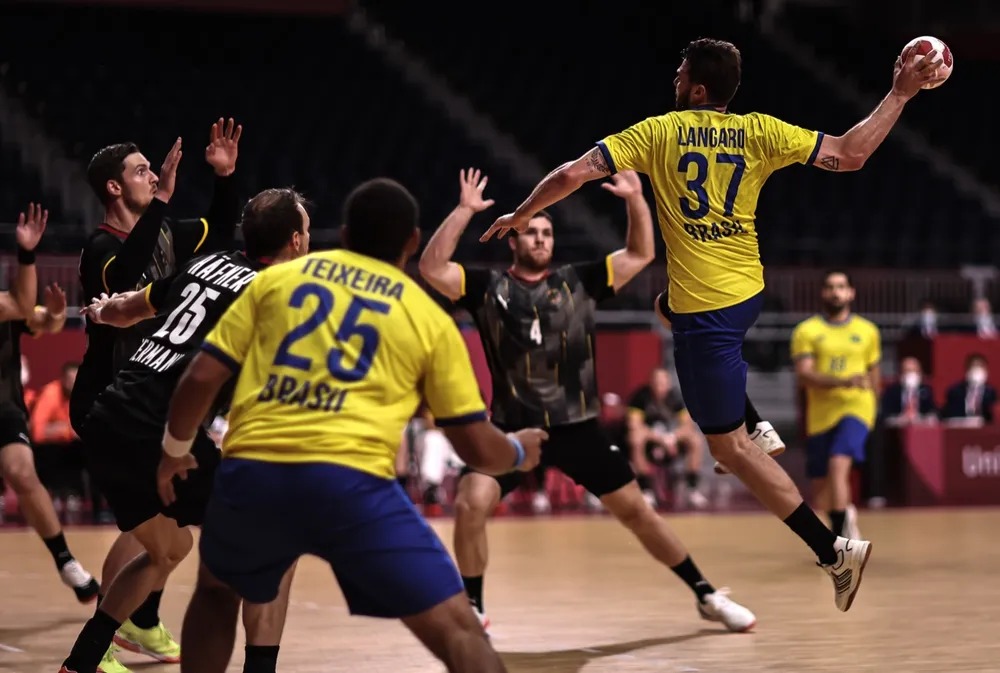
124,430
537,326
136,244
18,316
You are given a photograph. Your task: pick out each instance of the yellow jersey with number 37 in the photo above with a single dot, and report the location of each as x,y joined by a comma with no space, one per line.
707,169
841,349
335,351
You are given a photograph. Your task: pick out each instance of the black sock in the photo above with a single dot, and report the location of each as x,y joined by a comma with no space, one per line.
58,549
837,522
261,659
93,641
689,572
474,589
431,495
148,614
752,417
692,479
804,522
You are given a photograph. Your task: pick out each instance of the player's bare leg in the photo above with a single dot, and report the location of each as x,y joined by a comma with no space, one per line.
843,515
635,513
843,559
453,634
166,546
264,624
17,467
209,631
478,495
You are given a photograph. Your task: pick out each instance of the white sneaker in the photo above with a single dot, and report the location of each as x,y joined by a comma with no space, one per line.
696,499
650,497
540,503
851,530
80,581
852,557
718,607
484,621
767,440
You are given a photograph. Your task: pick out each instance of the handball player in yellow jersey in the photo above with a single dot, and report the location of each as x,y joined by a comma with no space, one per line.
707,167
837,355
333,353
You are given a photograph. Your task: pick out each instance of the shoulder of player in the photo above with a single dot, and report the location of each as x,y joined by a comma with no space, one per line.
810,324
866,324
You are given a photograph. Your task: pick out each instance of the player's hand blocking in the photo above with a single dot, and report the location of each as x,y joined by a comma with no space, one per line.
169,468
30,227
471,194
504,224
55,300
223,146
168,172
531,439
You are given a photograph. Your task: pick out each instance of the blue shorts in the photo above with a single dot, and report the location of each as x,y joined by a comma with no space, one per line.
708,355
846,438
263,516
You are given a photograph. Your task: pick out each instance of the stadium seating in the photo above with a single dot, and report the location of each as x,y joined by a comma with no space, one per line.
323,111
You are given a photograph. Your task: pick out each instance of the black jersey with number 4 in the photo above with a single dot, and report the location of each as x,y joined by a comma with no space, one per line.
187,305
539,341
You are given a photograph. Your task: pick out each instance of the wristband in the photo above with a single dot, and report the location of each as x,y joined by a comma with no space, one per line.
519,448
173,447
25,257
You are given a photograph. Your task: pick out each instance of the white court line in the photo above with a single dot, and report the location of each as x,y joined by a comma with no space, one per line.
8,648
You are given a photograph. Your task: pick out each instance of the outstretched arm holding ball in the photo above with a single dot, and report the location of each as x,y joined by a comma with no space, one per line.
919,66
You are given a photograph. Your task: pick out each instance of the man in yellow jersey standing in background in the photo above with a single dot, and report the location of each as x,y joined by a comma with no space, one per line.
334,353
837,358
707,168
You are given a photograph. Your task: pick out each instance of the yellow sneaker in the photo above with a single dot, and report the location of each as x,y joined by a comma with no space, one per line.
155,642
110,663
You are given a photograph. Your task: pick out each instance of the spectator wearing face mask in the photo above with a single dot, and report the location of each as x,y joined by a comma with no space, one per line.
926,325
973,397
909,399
982,316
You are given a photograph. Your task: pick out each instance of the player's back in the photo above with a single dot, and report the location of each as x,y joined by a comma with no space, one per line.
707,169
188,306
340,346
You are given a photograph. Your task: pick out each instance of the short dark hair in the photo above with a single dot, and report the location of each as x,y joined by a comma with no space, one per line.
838,272
379,218
269,220
974,358
716,65
108,164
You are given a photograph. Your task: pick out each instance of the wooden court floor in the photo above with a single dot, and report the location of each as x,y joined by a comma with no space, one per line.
579,595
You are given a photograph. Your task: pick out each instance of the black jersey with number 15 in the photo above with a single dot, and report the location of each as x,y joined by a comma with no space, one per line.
539,341
188,305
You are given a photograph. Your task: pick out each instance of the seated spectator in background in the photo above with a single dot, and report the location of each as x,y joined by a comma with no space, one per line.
973,397
50,415
982,316
30,394
909,399
927,321
660,430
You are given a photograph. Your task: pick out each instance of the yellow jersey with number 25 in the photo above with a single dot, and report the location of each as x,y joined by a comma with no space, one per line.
844,349
335,351
707,169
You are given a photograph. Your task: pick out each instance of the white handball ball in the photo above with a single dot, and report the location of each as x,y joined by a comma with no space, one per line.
924,44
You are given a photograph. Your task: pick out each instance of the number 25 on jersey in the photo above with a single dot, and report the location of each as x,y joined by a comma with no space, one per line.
352,327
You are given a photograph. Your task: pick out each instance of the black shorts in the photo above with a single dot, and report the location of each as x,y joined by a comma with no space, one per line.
124,464
13,425
584,453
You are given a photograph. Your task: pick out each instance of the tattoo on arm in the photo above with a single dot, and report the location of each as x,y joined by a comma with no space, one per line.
595,161
830,163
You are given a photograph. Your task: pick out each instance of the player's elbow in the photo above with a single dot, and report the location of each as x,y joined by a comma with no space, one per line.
572,176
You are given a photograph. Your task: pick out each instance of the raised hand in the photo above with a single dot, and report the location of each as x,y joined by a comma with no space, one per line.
471,195
168,173
624,184
504,224
223,146
55,300
909,74
31,227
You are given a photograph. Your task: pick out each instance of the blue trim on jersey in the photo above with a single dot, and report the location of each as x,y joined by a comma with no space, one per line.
221,357
607,156
819,141
474,417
